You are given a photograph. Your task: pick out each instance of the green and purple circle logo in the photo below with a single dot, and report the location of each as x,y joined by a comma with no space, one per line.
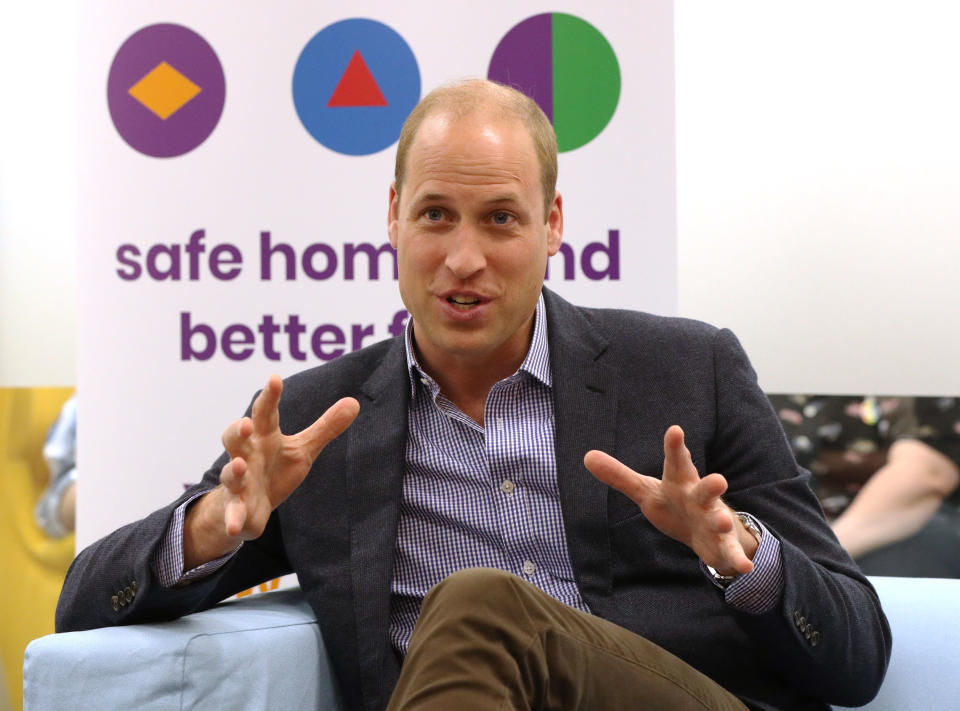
165,90
566,66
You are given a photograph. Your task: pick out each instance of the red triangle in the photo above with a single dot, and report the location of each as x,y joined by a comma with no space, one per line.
357,86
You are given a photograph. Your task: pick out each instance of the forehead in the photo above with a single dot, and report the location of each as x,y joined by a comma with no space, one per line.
476,149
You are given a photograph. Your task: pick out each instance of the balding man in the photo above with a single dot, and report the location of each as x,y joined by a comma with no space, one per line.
515,515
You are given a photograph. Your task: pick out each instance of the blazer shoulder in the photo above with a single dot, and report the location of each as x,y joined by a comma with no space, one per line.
309,392
623,325
347,370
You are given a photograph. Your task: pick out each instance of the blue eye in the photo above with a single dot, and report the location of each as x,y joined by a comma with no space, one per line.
501,218
434,214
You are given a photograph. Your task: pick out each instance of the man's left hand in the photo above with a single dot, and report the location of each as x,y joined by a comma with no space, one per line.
682,505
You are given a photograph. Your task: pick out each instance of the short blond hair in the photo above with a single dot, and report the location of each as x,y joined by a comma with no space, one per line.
467,97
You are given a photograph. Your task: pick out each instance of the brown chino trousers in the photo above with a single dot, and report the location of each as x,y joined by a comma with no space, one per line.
488,641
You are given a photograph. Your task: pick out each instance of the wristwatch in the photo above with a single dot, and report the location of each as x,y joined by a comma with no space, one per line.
723,581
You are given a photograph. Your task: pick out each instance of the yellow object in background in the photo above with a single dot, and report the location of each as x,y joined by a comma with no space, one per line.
33,564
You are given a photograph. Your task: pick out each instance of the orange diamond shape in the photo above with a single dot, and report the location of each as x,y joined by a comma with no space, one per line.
164,90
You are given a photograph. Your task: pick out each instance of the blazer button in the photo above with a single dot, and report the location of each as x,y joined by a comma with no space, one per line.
815,638
127,594
808,631
116,603
797,617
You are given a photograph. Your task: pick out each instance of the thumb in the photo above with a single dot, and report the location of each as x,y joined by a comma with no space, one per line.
330,425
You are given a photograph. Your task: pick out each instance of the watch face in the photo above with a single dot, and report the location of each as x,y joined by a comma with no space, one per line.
721,581
749,524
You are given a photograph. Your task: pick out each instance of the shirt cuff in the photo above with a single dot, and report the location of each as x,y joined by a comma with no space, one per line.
758,591
168,560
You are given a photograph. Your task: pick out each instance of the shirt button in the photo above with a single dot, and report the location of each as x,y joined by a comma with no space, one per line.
424,381
529,567
507,486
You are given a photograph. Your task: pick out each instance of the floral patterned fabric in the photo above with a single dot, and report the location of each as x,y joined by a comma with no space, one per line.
843,439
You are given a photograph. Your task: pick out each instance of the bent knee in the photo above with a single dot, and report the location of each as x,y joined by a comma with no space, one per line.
934,473
479,604
473,587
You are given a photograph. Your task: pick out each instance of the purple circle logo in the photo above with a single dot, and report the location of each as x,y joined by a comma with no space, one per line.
166,90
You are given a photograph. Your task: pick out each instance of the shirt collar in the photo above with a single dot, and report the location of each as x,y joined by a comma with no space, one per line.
537,362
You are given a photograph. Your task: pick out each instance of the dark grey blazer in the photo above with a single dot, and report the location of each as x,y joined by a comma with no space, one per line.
620,379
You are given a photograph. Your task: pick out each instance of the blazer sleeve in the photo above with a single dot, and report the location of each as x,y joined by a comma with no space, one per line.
828,631
112,581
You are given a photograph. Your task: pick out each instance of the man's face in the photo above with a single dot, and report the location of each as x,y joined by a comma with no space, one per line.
472,240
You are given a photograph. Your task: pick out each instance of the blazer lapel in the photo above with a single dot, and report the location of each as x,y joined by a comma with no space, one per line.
375,461
585,409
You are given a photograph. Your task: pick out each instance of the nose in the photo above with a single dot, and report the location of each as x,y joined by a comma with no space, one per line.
465,256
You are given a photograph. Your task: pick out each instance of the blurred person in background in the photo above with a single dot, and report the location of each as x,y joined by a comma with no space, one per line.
56,511
885,470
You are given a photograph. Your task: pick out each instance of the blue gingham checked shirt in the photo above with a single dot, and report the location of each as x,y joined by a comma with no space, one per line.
485,496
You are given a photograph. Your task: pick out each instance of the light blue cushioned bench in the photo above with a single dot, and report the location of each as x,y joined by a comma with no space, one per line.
266,652
261,652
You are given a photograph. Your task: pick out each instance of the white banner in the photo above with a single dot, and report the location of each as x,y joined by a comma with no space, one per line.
234,179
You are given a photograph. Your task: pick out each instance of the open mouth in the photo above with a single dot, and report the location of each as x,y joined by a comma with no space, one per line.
463,302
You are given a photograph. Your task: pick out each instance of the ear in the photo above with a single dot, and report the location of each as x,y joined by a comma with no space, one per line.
555,225
393,214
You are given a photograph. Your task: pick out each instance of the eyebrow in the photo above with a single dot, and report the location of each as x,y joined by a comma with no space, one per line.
506,198
431,197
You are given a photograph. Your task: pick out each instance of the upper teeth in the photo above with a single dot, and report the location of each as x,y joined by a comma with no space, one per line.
463,300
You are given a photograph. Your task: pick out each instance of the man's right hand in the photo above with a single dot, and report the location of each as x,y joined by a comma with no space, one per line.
264,469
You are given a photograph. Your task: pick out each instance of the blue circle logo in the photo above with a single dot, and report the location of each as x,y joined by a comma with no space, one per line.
354,85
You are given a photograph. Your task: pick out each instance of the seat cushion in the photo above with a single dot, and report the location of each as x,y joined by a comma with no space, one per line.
203,661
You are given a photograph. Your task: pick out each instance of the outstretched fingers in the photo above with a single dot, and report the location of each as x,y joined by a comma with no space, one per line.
732,553
235,516
266,416
236,437
615,473
681,504
707,492
232,478
719,519
678,465
330,425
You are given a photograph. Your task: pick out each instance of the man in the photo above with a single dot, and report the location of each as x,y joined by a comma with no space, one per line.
469,452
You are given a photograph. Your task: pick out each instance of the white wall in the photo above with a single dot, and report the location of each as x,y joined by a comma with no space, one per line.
819,189
818,162
38,188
